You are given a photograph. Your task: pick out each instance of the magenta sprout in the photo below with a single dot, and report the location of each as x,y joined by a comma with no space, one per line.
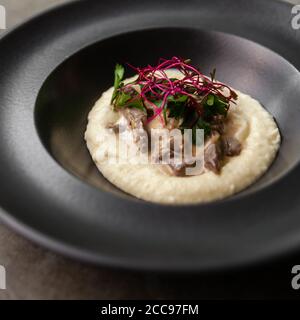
154,81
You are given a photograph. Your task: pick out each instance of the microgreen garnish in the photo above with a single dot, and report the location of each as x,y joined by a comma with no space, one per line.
213,74
165,97
119,74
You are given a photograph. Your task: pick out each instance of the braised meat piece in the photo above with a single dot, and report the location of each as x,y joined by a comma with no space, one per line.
213,153
131,123
231,146
217,123
136,118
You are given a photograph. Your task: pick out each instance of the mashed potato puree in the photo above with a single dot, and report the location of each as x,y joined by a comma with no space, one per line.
254,127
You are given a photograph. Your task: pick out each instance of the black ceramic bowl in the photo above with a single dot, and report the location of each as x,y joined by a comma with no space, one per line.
53,69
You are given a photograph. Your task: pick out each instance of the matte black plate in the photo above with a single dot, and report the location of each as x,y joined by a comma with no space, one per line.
54,67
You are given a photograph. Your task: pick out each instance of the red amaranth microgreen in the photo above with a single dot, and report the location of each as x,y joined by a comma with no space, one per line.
168,97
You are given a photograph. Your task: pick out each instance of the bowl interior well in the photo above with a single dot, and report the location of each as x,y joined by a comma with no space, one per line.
70,91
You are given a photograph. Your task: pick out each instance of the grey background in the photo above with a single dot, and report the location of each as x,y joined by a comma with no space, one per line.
36,273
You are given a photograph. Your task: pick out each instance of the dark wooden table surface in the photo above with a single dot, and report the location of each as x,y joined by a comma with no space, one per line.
36,273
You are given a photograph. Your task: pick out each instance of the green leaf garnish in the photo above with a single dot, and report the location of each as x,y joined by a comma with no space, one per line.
210,100
221,106
177,106
201,124
177,99
214,105
122,99
127,100
119,74
137,104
